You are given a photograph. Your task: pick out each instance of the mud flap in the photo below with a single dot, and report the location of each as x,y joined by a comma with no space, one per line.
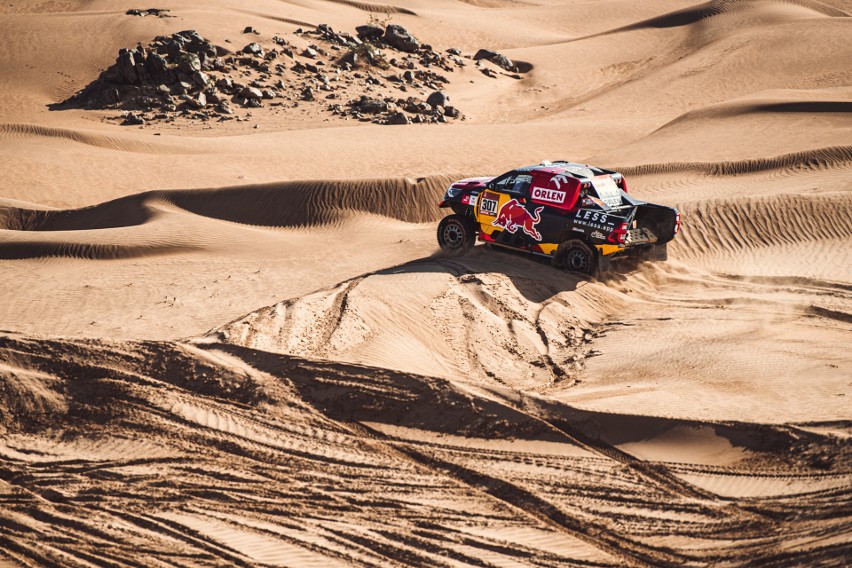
602,265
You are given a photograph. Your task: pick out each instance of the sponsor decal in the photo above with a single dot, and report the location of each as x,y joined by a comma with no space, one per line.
607,191
466,199
548,195
594,220
558,180
598,235
473,200
514,216
488,204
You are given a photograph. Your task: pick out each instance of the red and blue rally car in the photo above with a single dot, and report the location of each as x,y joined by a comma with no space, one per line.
580,216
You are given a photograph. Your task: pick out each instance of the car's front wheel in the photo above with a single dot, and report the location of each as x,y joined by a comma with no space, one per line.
456,233
576,256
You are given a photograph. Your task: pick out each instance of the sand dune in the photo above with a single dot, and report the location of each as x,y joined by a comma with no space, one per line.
236,343
257,446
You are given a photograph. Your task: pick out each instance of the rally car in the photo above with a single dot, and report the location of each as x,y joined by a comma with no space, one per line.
580,216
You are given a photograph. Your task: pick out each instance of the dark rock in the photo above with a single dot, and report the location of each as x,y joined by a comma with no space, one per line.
279,40
497,59
127,66
484,54
307,94
369,32
408,76
200,78
224,108
225,84
398,118
454,51
452,112
156,64
310,53
189,63
437,99
157,12
398,37
251,93
350,58
371,106
253,49
132,119
198,102
250,30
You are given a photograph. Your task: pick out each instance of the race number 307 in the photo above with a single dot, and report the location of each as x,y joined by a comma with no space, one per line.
488,207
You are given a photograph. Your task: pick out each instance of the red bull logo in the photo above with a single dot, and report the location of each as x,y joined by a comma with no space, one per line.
514,216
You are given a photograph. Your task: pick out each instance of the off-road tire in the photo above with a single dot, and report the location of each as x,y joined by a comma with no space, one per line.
576,256
456,233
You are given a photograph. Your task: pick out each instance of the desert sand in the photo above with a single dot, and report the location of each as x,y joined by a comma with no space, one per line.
236,343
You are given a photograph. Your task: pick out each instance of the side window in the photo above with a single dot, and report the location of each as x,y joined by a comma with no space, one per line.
521,185
515,184
505,184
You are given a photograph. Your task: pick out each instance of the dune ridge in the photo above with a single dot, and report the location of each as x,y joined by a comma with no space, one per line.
15,131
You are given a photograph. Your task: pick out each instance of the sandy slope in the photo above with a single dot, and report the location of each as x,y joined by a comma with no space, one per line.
232,345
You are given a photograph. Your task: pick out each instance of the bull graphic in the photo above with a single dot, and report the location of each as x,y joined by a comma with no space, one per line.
513,215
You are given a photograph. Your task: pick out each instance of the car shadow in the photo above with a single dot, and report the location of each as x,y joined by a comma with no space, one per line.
534,277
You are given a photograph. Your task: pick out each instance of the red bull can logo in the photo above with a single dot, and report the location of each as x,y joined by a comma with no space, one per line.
514,216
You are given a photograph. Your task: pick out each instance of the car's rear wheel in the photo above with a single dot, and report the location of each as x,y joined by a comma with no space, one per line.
456,233
576,256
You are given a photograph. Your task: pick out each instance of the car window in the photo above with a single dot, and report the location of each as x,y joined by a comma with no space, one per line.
521,184
505,184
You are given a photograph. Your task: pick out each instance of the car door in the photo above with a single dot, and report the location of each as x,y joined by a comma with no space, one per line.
506,213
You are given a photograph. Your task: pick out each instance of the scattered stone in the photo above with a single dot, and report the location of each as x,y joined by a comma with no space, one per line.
371,106
158,12
201,78
198,102
253,49
497,59
369,32
186,77
398,118
251,93
250,30
225,84
189,63
438,99
127,66
398,37
132,119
